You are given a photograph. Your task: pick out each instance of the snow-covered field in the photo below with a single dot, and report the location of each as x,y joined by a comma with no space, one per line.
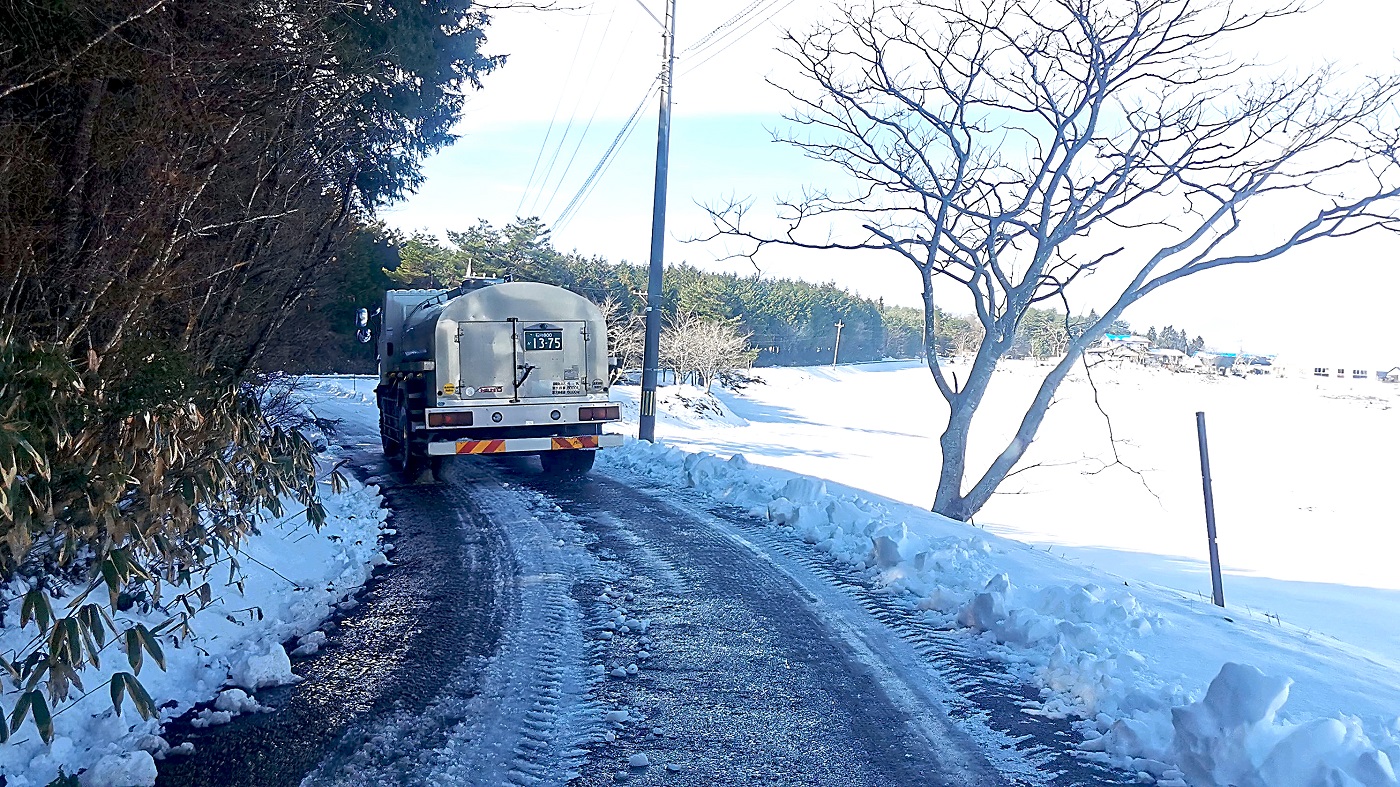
1102,598
1086,580
292,576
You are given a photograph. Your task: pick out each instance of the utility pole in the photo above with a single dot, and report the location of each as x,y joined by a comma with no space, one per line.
1217,590
651,353
837,351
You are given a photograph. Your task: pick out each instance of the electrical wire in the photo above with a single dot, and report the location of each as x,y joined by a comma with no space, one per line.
573,156
605,162
609,156
731,21
728,33
573,118
741,36
731,26
650,14
591,186
544,143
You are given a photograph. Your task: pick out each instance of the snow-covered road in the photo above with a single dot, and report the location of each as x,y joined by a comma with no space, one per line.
539,633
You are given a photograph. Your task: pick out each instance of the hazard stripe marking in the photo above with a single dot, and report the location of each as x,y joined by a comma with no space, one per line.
501,447
481,446
568,443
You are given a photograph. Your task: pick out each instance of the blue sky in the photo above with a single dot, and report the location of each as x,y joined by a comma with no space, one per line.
599,60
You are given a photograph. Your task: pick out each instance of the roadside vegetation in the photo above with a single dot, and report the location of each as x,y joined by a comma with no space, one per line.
176,177
714,322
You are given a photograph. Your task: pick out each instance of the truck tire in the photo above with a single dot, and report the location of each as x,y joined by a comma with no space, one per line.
386,429
405,456
568,465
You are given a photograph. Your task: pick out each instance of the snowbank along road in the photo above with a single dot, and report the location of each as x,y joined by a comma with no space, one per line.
534,632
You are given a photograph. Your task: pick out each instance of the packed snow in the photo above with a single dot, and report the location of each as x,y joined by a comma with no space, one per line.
1086,578
292,576
1103,602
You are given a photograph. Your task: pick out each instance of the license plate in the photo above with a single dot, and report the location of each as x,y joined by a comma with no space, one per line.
544,340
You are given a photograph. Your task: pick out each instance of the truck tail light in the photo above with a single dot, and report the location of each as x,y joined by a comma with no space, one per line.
603,413
436,420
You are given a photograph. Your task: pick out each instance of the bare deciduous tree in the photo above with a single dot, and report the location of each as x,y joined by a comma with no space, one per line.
626,335
701,349
1014,148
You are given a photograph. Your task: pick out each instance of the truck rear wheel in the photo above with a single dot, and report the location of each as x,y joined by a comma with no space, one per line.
567,464
403,453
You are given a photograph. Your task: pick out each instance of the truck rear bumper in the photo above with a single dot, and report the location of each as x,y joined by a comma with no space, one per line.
523,445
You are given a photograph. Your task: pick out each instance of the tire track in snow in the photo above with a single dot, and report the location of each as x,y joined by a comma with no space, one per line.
993,705
519,716
387,658
466,662
539,687
751,683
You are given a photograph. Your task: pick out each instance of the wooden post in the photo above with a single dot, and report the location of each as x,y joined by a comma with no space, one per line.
837,352
1217,590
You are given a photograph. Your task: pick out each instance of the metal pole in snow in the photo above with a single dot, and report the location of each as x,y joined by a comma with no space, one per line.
646,427
1217,590
836,352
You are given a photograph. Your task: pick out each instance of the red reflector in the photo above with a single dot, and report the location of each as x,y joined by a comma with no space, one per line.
449,419
605,413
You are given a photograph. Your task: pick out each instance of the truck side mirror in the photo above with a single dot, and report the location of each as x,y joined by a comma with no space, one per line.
364,335
362,319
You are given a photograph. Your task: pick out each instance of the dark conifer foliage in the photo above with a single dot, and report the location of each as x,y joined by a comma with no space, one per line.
176,177
186,169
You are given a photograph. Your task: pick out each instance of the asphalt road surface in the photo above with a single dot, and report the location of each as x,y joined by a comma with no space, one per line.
537,632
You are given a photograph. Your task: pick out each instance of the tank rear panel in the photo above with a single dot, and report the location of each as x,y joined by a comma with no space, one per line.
520,341
486,371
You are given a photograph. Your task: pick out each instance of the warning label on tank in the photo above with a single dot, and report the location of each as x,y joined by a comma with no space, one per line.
566,387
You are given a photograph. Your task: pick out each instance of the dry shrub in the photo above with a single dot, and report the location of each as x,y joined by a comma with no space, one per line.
138,488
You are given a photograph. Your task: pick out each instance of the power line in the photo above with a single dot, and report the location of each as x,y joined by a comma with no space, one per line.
650,14
730,26
568,167
590,187
544,143
723,25
573,117
718,40
604,163
740,37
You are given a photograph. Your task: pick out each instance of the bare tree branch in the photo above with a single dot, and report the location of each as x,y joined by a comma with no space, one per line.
1009,148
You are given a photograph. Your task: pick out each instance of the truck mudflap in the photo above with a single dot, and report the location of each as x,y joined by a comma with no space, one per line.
523,445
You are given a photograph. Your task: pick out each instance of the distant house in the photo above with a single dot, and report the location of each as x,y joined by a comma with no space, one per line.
1165,358
1356,370
1113,354
1254,364
1128,340
1335,367
1120,348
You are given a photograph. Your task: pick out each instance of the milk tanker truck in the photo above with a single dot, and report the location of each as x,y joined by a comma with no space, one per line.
493,368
